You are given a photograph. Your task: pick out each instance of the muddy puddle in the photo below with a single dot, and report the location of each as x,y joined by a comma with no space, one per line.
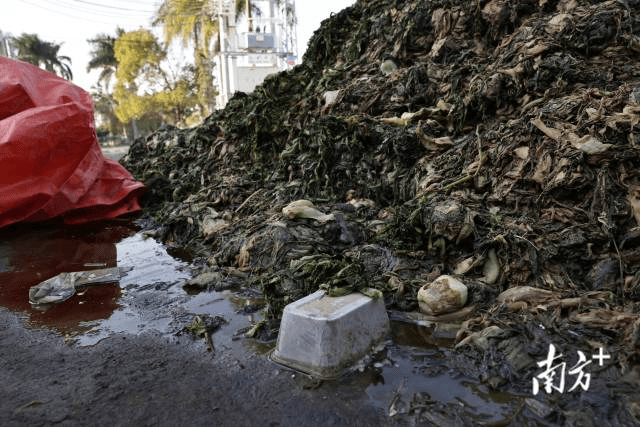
413,374
409,376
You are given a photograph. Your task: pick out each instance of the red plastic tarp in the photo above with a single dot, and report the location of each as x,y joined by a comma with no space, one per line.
51,165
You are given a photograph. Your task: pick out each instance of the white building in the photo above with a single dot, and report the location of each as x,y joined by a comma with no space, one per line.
251,49
7,48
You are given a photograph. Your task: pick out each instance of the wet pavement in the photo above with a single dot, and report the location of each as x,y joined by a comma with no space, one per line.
146,313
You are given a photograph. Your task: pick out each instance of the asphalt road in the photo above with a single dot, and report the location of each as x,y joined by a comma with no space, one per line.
154,380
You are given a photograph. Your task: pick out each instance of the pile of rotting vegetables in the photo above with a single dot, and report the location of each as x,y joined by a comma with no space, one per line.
497,142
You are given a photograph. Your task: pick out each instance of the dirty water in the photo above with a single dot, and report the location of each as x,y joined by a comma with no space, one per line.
409,375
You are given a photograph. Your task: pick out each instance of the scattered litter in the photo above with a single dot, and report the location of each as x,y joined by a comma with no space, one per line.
444,295
63,286
324,336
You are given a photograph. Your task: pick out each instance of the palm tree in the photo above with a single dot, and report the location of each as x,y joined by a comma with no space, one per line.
249,8
192,21
39,52
103,56
242,7
195,21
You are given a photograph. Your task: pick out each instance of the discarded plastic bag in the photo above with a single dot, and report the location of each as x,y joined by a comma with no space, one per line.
63,286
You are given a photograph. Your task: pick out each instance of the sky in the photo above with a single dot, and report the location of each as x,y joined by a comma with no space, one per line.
72,22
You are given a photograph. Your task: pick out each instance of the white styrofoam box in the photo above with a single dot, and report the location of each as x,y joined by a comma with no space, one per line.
324,336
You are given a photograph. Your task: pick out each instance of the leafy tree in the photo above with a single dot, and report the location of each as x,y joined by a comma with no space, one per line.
42,53
143,87
103,56
192,21
137,52
138,55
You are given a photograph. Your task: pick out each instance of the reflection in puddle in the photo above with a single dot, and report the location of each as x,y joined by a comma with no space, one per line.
148,298
414,375
412,335
89,304
30,256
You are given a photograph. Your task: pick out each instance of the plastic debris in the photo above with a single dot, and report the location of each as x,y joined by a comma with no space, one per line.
63,286
444,295
305,209
324,336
